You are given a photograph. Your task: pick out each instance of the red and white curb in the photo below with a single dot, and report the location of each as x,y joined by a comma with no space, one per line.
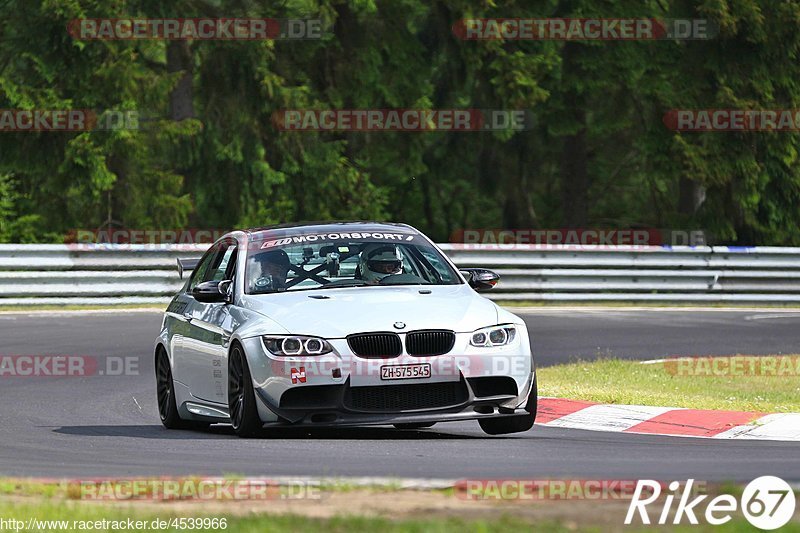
575,414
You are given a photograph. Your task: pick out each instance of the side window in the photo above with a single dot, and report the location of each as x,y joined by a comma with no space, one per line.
444,272
199,273
218,264
225,266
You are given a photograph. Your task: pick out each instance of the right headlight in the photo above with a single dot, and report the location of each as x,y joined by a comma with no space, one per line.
296,345
493,336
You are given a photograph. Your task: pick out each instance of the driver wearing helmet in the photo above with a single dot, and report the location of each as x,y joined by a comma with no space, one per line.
271,269
377,261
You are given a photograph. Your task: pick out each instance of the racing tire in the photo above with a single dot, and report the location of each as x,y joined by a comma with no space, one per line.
514,424
165,396
419,425
241,396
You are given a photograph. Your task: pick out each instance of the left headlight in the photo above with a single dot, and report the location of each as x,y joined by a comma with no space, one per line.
296,345
493,336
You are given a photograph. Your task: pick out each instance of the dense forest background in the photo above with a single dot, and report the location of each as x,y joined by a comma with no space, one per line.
208,156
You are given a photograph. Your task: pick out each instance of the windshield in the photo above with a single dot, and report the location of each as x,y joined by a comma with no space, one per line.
336,260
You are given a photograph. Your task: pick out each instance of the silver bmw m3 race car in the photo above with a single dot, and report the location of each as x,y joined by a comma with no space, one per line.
339,324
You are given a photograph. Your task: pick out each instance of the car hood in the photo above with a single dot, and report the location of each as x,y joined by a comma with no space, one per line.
359,309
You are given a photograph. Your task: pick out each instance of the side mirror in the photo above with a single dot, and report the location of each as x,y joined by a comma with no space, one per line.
226,288
210,292
480,279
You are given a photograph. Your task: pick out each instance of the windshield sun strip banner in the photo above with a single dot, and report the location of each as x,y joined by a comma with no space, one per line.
325,237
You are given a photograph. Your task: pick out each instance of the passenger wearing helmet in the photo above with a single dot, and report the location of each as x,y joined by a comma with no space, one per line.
271,269
377,261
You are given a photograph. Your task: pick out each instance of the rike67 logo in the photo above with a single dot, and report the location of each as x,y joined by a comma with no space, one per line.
767,502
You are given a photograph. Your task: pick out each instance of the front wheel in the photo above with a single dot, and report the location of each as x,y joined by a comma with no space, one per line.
241,396
514,424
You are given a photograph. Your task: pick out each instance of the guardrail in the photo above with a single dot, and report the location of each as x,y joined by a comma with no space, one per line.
628,273
142,274
63,274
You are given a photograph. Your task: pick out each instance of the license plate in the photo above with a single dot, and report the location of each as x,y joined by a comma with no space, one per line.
406,371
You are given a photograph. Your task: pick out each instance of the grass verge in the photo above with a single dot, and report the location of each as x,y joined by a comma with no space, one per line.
741,383
74,516
345,514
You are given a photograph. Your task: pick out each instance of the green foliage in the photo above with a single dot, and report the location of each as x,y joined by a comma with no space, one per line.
598,154
8,200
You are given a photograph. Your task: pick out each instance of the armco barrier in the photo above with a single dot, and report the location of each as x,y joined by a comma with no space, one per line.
142,274
76,275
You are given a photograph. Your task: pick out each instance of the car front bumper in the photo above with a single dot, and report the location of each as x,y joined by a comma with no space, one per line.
332,405
341,388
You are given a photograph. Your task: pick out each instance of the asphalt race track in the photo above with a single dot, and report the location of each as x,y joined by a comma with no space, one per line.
108,425
560,336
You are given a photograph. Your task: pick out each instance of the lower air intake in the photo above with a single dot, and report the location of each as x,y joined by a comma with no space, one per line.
407,397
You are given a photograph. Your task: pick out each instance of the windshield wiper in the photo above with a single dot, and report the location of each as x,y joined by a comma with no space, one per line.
344,283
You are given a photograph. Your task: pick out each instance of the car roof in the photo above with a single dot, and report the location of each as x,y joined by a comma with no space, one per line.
285,230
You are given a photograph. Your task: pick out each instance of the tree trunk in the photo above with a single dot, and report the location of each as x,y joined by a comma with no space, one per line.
574,158
179,59
575,176
691,196
519,212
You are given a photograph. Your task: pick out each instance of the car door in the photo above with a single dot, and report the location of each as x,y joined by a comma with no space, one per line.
205,346
178,318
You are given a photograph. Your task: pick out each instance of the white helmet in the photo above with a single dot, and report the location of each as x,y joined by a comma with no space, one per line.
378,260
